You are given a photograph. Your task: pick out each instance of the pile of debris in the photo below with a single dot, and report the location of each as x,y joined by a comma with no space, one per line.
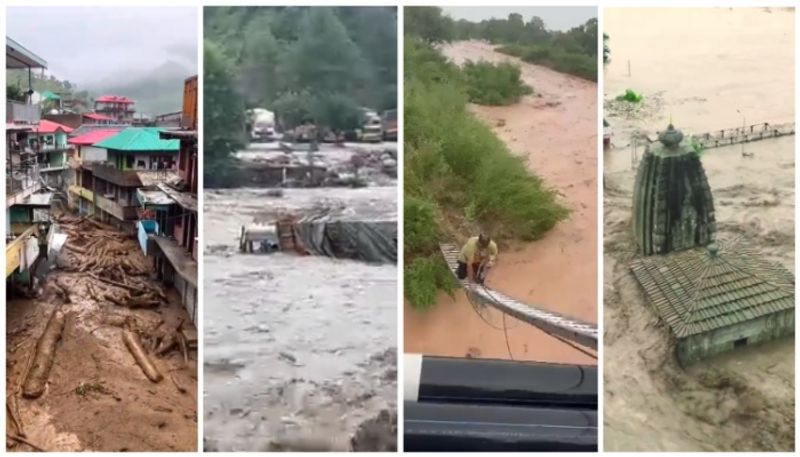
113,259
100,263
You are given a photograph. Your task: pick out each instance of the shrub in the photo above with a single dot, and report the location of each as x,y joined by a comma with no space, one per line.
557,58
494,84
420,230
423,278
458,174
630,96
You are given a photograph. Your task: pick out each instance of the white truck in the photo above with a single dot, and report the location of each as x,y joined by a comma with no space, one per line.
262,124
372,129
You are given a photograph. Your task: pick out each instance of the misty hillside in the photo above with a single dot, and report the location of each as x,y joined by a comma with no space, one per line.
157,91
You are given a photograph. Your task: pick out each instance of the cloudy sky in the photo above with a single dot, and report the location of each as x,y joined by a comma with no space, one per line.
554,17
87,45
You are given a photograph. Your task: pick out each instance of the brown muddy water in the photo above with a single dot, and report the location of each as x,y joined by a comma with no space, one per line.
555,131
700,66
299,351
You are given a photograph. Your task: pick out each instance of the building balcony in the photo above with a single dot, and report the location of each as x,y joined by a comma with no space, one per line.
179,258
22,113
110,173
114,110
18,251
81,192
20,184
123,213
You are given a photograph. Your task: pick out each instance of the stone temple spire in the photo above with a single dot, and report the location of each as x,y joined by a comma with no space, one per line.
672,204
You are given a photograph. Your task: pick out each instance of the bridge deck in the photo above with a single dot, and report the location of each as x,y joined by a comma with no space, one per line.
744,134
565,327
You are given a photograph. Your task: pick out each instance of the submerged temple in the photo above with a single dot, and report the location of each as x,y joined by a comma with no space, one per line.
714,295
672,204
718,298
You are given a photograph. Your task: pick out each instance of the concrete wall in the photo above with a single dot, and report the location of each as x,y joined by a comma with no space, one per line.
93,154
765,328
188,297
144,229
49,141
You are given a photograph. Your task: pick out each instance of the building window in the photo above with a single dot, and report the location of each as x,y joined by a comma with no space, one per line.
741,342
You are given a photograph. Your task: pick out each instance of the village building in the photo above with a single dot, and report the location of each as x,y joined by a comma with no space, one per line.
48,140
168,223
718,298
136,157
84,155
119,108
715,295
23,228
76,120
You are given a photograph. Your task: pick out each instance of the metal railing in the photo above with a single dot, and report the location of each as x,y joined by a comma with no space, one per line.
22,112
19,179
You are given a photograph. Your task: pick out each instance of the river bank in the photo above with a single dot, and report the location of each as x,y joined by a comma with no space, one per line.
554,130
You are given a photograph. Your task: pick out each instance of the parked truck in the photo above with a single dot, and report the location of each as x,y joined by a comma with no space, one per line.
371,130
390,125
261,123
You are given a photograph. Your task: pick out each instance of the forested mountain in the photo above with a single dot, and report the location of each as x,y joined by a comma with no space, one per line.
318,64
278,53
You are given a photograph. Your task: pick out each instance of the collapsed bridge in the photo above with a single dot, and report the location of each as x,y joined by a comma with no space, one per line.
552,323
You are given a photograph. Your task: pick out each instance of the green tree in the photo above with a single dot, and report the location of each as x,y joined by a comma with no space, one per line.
324,59
535,31
13,92
515,28
374,31
428,23
336,111
223,117
294,108
261,53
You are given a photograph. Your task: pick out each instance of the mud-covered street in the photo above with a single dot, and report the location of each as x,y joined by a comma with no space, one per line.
97,398
554,130
742,400
300,351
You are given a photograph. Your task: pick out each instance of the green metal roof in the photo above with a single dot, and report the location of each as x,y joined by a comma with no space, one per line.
48,95
703,289
139,139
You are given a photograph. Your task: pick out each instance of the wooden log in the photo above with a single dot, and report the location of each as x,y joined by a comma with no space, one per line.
118,284
12,414
75,249
177,384
134,345
22,440
36,380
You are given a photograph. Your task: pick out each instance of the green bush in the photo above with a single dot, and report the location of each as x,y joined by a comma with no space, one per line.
630,96
559,59
494,84
420,230
423,277
457,173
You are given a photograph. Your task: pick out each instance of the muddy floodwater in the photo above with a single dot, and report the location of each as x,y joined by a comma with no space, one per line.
555,131
299,350
700,66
